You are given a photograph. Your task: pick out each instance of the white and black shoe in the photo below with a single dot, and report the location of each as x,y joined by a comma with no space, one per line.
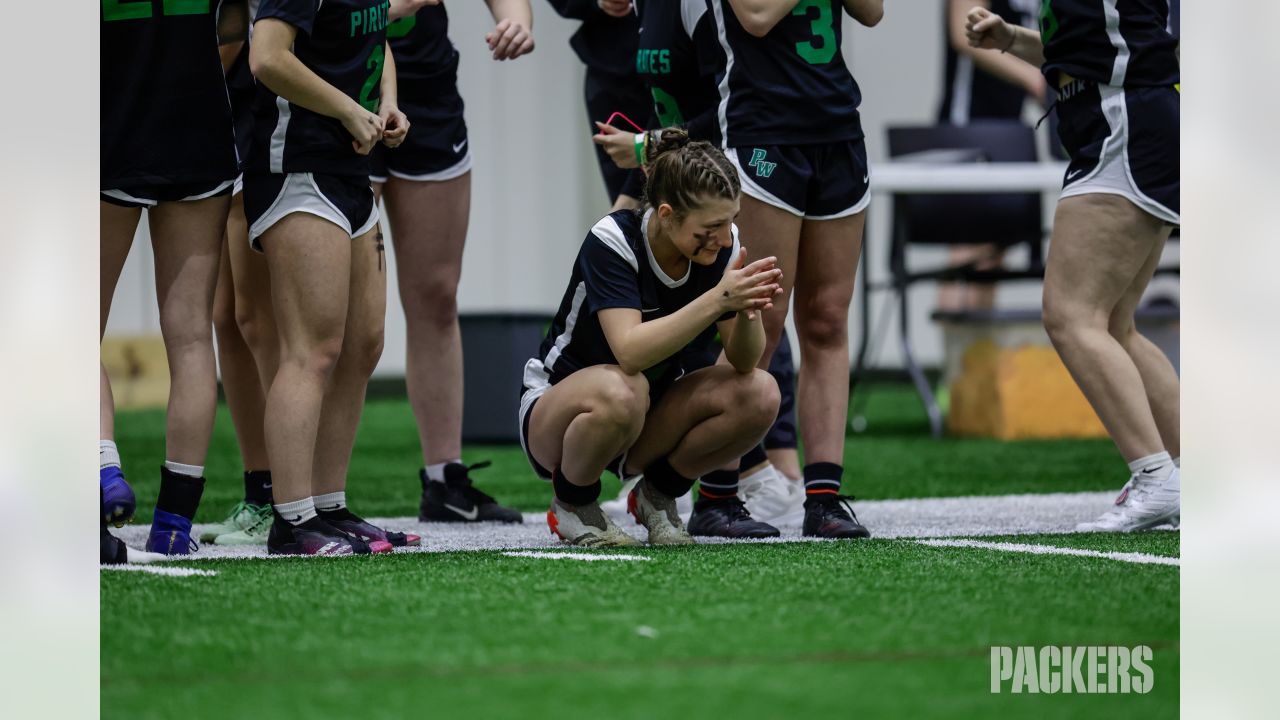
457,500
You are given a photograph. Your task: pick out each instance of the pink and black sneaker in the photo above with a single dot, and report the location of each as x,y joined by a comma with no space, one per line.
354,526
315,537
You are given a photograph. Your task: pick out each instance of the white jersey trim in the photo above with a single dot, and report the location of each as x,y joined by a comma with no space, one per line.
1121,66
653,262
608,232
691,11
278,135
566,337
962,90
722,111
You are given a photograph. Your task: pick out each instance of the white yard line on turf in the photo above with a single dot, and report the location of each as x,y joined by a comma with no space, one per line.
1129,557
158,570
571,556
954,517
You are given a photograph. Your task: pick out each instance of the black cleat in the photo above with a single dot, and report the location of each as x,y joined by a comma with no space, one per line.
113,550
828,515
727,518
314,537
457,500
354,526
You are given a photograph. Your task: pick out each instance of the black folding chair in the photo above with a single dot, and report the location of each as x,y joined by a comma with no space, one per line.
1003,220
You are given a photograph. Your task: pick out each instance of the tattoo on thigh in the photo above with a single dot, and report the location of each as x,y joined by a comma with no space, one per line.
380,247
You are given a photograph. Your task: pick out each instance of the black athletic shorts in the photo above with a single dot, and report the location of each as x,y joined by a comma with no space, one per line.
436,147
344,200
152,195
819,182
1122,141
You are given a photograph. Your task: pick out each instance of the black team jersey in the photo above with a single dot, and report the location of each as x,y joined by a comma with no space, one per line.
343,42
1125,43
616,269
165,116
603,43
424,55
969,93
790,87
678,60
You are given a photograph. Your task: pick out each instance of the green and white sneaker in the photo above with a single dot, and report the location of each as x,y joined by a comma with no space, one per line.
243,522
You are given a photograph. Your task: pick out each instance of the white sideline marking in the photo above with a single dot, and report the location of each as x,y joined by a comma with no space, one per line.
571,556
1130,557
953,517
157,570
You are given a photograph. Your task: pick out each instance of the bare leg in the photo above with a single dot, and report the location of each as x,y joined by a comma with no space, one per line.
1158,376
1101,246
361,349
118,226
187,240
966,296
428,223
828,263
787,461
310,260
765,230
708,418
254,313
587,420
245,396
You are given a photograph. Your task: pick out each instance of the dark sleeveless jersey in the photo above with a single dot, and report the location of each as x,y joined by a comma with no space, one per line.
1115,42
165,115
343,42
603,43
422,50
678,59
969,93
790,87
616,269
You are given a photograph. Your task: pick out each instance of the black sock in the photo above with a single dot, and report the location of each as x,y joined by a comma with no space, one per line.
179,494
666,480
822,478
257,487
574,495
718,485
755,456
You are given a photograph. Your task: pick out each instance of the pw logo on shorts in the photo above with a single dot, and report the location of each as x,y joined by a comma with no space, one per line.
763,169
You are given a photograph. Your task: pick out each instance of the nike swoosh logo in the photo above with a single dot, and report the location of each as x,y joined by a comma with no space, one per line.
1151,469
865,177
649,310
470,515
1074,174
459,146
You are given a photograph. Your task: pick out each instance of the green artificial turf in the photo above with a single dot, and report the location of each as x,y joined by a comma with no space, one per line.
895,458
878,628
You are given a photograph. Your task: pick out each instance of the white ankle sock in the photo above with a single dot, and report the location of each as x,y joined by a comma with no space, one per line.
194,471
1177,462
435,473
329,502
1157,465
298,511
108,455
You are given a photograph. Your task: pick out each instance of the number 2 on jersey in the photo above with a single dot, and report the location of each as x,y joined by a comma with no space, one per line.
821,27
373,64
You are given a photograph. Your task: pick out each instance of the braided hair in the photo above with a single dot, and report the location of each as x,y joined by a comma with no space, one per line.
683,173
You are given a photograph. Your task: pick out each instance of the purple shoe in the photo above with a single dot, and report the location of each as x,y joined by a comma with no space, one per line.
170,535
117,498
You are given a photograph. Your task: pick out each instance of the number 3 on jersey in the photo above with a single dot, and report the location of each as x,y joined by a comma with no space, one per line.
822,53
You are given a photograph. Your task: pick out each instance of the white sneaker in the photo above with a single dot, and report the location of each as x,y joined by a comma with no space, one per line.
1145,502
587,526
769,495
657,512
